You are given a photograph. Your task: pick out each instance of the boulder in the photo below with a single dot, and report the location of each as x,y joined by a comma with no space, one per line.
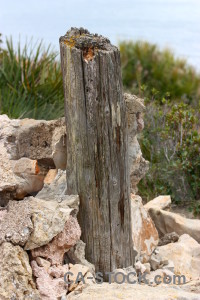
160,202
192,286
147,267
140,268
50,283
138,165
160,277
51,175
27,139
54,251
76,255
36,139
48,218
170,266
167,222
15,223
144,234
19,178
8,182
59,150
128,291
75,271
88,280
29,177
168,238
56,191
41,262
16,280
185,255
155,261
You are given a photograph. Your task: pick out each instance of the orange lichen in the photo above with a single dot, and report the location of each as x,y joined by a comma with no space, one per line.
70,42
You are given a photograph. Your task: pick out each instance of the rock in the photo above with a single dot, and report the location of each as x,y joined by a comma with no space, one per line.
128,291
43,263
140,268
15,223
49,219
192,286
54,251
148,268
50,287
3,212
23,178
76,255
185,254
26,139
134,104
160,202
170,266
144,233
155,262
8,131
49,178
75,270
56,191
168,238
16,280
29,178
58,271
35,139
126,275
88,279
167,222
8,182
160,276
138,165
59,153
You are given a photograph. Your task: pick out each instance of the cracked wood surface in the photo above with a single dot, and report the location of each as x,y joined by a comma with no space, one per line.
97,141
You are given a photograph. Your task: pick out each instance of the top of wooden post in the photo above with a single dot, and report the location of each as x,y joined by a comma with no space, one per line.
83,40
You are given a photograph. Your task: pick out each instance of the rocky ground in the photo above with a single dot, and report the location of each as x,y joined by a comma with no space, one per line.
40,235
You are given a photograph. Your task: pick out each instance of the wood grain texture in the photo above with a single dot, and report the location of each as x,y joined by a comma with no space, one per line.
97,141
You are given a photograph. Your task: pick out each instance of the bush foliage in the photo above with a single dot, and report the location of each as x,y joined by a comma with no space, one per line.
147,70
30,82
171,137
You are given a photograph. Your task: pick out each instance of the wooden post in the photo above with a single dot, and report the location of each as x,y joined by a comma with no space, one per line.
97,158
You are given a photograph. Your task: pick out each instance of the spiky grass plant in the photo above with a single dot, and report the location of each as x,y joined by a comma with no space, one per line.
30,82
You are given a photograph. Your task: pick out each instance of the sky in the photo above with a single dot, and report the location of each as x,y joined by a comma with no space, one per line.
171,23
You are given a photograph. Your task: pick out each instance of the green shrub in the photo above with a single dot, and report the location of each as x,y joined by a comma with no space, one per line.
171,143
145,69
171,139
30,82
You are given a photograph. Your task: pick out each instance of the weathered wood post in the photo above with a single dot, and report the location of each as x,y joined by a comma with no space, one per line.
97,159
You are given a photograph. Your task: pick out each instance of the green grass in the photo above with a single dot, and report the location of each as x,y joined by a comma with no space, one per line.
30,82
